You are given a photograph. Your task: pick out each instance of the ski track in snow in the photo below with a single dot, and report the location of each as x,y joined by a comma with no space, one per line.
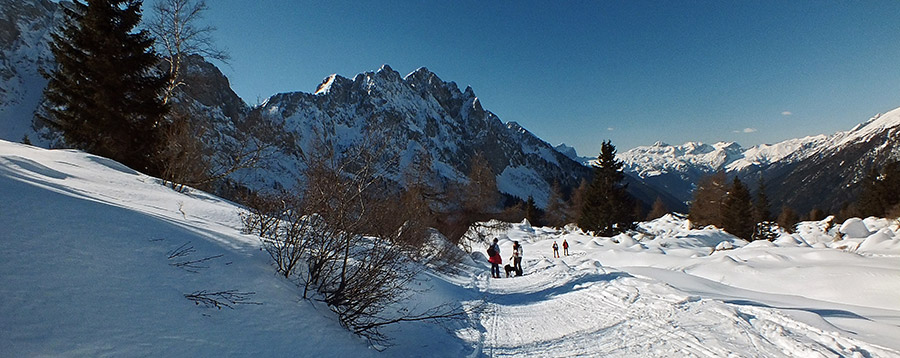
560,311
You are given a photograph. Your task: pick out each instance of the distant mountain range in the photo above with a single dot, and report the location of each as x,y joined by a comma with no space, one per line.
813,172
421,114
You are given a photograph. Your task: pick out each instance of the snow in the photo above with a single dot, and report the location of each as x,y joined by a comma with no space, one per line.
84,271
522,182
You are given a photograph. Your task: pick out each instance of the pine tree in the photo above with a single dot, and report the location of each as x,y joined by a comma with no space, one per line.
480,194
659,209
765,228
607,209
709,198
104,94
788,218
761,212
576,202
816,214
880,191
532,213
738,211
557,213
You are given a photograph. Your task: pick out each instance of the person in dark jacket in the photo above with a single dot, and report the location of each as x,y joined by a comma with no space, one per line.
517,257
495,259
555,250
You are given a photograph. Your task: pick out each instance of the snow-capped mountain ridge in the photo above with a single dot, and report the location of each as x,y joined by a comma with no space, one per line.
419,114
678,168
660,157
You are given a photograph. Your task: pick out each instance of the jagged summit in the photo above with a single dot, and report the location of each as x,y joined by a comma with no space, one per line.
419,113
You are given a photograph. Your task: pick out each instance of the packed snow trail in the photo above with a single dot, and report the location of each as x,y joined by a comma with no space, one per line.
589,310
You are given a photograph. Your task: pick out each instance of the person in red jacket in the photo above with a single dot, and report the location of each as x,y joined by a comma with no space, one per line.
495,259
565,247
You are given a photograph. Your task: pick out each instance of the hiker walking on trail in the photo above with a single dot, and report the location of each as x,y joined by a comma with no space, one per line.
495,259
565,247
517,258
555,250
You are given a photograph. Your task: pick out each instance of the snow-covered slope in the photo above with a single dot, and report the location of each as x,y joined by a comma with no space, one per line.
85,270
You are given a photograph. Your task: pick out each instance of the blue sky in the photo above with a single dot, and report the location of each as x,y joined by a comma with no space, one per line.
581,72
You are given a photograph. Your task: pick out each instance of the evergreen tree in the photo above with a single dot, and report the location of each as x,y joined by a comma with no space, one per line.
880,191
761,212
738,211
709,199
557,213
104,94
816,214
788,218
532,212
576,202
765,228
659,209
480,195
607,209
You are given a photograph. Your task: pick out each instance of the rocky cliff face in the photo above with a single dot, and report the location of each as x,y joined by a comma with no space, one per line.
420,114
25,28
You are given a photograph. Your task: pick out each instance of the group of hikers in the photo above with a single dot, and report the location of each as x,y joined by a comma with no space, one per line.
496,260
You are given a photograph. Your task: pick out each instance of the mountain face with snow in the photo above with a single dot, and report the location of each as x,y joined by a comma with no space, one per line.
415,116
25,28
801,173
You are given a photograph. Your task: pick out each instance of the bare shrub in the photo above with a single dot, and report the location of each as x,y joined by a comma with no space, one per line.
187,162
181,258
347,236
219,299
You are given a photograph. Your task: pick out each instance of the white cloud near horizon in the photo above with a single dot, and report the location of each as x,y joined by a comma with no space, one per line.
745,130
786,113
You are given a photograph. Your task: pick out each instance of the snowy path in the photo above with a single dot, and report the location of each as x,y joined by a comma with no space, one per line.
588,310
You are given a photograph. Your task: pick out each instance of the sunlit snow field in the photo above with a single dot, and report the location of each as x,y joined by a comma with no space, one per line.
85,271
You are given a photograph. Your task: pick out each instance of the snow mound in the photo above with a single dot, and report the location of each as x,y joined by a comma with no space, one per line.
854,228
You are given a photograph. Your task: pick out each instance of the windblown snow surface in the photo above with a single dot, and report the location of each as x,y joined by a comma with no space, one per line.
85,271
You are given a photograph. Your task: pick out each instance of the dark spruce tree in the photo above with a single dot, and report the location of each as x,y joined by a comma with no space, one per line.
104,94
737,211
658,210
766,229
761,212
880,191
607,209
709,199
533,213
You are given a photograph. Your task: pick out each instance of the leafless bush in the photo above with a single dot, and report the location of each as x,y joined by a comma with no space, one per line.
219,299
348,236
181,260
188,162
